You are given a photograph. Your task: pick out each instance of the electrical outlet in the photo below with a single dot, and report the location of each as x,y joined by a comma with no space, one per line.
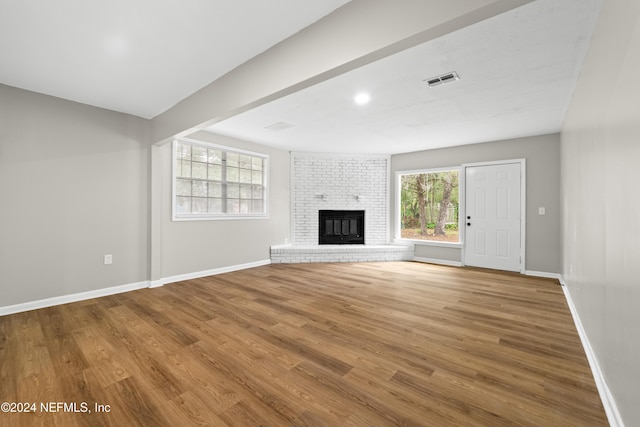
108,259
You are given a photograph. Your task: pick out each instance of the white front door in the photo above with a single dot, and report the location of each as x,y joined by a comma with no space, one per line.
493,217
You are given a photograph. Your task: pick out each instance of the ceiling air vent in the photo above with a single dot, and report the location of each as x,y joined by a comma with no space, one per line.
440,80
277,127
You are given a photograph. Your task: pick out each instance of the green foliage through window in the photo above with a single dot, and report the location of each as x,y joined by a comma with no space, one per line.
429,205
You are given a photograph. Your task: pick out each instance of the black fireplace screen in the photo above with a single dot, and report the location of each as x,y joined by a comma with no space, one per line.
341,227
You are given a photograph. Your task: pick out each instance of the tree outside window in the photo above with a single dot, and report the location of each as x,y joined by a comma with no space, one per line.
429,205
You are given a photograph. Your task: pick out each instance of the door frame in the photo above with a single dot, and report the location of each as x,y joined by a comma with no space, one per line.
523,204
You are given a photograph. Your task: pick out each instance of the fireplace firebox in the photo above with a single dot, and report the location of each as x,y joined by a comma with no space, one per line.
341,227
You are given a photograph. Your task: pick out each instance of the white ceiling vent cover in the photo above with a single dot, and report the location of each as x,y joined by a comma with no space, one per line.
444,78
280,126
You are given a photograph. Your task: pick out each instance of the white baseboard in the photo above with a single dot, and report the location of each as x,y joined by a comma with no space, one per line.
65,299
544,274
438,261
215,271
609,403
81,296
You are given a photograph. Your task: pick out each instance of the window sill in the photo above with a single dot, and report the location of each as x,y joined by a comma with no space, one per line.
429,243
218,218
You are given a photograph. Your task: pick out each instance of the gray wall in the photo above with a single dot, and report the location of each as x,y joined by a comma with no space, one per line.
358,33
76,181
600,203
542,153
74,186
195,246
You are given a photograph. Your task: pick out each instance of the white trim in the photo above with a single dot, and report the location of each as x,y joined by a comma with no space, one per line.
397,219
82,296
289,240
427,170
438,261
462,211
65,299
418,242
523,215
217,217
544,274
207,144
205,273
388,230
609,403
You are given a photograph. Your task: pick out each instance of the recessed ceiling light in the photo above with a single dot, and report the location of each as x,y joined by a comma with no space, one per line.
362,98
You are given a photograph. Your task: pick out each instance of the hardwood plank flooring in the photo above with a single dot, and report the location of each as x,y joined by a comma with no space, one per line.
362,344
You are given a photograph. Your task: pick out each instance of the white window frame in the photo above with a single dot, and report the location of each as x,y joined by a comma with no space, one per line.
176,216
398,211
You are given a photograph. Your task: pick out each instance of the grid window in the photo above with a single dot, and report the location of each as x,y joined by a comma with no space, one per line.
213,182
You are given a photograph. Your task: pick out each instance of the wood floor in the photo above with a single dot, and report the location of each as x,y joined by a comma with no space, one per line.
370,344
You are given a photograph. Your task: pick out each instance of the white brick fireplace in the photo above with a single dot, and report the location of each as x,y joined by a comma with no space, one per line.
339,182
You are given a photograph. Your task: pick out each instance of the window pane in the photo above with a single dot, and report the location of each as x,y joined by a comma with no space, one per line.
215,173
183,204
233,159
199,189
257,206
183,151
215,206
183,168
256,163
233,191
245,161
233,174
245,206
215,189
215,157
183,187
257,192
429,206
245,176
245,192
233,206
256,177
199,170
199,154
199,205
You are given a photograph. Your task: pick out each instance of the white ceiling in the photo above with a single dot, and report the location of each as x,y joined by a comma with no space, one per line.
517,73
139,56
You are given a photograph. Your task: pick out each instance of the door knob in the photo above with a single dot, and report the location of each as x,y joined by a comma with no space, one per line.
468,223
468,217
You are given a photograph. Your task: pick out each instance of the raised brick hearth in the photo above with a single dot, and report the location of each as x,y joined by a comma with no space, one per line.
287,254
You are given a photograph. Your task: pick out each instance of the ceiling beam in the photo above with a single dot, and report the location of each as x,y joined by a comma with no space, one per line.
359,33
